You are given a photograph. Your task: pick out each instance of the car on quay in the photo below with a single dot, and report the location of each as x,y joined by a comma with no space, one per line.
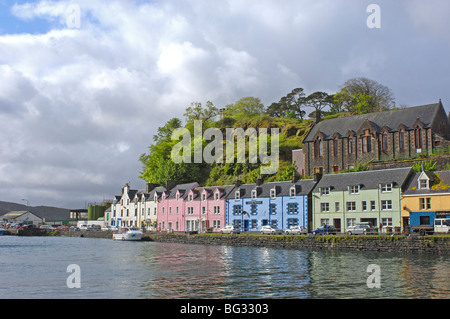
296,230
46,227
84,227
359,229
271,230
229,229
324,229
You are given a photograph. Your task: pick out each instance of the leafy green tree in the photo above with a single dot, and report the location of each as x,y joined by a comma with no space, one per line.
291,105
197,112
247,107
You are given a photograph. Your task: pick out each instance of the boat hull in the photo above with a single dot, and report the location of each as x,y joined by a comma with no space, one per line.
130,235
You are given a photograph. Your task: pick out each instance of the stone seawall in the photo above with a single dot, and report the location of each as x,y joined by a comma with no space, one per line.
438,244
435,244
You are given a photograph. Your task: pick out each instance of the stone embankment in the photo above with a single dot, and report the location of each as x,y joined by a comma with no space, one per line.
435,244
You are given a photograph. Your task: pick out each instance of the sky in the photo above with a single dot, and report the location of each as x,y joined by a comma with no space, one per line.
84,85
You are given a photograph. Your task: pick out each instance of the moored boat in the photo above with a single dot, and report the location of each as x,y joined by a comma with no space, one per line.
2,231
128,234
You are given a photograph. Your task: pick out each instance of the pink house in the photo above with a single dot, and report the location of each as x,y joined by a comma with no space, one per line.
188,207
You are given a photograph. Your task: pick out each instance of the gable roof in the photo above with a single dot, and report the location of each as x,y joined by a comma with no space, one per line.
366,179
182,188
439,184
390,119
302,187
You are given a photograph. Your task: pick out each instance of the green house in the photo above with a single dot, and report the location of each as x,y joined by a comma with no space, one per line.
345,199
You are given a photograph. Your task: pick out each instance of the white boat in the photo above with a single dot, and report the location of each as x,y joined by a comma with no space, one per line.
128,234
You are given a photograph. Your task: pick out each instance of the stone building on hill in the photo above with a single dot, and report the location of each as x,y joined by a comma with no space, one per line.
337,144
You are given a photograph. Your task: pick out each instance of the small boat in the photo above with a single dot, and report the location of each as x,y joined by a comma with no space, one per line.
128,234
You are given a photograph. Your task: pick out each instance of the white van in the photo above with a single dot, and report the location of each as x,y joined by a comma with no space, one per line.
442,225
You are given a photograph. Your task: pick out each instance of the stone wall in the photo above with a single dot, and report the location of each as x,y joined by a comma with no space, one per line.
439,244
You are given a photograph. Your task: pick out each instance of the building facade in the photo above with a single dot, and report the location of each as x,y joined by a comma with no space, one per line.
345,199
341,143
426,198
280,204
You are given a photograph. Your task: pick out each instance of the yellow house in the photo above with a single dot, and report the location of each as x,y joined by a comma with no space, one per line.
427,197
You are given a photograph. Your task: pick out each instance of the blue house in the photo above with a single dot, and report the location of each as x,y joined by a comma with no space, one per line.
280,204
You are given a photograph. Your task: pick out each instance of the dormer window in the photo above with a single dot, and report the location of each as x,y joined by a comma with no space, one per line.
203,197
423,183
386,187
354,189
292,191
237,195
177,196
273,193
254,194
216,196
324,191
190,197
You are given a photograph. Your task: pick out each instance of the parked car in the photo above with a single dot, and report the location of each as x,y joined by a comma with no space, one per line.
324,229
106,228
84,227
46,227
271,230
358,229
74,228
94,227
63,228
296,230
229,229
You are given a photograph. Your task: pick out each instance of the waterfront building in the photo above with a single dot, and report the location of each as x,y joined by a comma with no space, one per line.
344,199
147,206
21,217
171,208
338,144
280,204
427,197
123,208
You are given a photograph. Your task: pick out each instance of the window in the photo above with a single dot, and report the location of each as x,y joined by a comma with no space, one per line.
170,210
424,220
372,205
386,187
318,148
190,210
335,147
386,204
350,206
254,223
324,207
366,142
351,222
216,224
272,193
418,138
203,197
292,222
203,210
423,184
177,196
350,145
401,140
425,203
384,142
337,206
335,169
237,195
190,197
176,210
237,210
254,194
292,208
217,210
324,191
364,205
253,209
216,196
324,221
273,209
386,222
354,189
292,191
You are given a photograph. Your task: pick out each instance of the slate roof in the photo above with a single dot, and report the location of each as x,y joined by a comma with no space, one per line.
391,119
366,179
439,184
303,187
183,188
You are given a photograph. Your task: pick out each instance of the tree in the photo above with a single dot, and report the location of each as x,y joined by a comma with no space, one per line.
165,132
319,101
197,112
290,105
380,97
245,108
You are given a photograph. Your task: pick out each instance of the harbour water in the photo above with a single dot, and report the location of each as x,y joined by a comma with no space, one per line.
37,267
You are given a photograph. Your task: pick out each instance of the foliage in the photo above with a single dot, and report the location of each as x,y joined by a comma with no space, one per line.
427,166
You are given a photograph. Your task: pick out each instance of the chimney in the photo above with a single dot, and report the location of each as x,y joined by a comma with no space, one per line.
237,183
259,180
317,177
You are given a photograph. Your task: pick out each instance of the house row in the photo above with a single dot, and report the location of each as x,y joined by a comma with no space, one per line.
389,198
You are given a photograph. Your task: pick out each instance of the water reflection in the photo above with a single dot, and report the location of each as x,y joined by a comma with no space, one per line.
36,268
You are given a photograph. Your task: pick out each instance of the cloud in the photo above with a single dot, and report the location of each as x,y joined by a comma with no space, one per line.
81,104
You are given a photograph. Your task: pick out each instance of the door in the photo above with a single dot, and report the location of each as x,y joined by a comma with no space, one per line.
337,224
246,223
